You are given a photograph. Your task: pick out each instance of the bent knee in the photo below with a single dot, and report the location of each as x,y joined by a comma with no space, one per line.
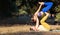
42,21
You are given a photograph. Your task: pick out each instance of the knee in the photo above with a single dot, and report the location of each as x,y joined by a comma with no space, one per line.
41,21
47,14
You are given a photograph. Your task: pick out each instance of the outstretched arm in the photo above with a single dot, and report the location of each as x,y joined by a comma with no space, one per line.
38,10
41,3
36,13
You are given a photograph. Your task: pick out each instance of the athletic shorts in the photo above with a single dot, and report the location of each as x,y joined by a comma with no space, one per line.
47,7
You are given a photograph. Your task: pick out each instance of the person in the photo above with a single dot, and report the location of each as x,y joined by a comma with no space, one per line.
44,26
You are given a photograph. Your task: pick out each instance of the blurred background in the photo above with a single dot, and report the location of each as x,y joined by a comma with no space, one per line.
21,11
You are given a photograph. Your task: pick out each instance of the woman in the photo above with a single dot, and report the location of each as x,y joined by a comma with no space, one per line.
45,10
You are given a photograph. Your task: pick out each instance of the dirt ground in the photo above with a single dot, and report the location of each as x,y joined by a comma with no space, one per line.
20,28
14,29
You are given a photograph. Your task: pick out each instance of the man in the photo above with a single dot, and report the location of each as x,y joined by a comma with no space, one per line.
44,26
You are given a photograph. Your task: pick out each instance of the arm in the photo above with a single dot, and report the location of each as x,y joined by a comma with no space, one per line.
41,3
38,10
36,13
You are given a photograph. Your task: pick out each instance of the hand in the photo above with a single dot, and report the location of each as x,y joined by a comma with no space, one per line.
42,3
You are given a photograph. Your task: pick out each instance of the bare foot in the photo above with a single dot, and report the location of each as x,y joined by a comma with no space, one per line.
42,3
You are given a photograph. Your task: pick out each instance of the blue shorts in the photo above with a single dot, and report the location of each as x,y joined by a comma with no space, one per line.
48,6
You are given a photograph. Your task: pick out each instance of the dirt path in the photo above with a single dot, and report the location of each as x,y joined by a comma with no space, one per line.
14,29
18,28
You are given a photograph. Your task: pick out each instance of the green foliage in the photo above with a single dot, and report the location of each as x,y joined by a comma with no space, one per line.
57,8
18,2
23,10
57,17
